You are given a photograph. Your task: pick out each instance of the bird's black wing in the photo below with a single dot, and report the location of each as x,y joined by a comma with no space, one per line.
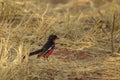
47,47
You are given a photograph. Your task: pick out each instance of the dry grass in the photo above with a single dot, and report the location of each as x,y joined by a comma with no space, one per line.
83,52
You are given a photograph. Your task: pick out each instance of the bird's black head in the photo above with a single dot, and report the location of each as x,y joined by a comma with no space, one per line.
52,37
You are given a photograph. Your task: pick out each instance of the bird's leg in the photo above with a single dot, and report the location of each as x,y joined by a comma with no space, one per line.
46,57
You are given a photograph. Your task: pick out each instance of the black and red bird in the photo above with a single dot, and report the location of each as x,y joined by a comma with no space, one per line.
47,49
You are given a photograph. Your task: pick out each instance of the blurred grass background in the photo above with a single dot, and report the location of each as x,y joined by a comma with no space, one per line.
85,27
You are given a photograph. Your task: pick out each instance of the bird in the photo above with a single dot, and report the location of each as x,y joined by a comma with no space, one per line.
47,49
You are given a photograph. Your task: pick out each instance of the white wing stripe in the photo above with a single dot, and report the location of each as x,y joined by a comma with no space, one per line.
48,49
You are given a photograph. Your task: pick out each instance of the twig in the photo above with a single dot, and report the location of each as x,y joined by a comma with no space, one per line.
112,34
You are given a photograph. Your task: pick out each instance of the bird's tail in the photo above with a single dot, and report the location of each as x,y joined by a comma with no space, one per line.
34,53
